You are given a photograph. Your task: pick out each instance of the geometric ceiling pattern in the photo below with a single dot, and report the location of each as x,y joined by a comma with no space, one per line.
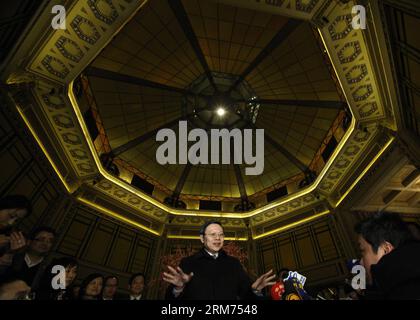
234,41
296,69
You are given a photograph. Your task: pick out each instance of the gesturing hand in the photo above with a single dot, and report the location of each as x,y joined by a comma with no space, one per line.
177,277
17,241
264,281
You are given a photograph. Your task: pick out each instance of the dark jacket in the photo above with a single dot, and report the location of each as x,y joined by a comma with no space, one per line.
127,297
397,274
214,279
19,269
54,294
46,292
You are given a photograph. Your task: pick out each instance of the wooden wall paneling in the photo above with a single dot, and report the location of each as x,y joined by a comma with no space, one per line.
62,218
262,247
315,245
86,213
141,255
324,274
8,140
40,204
25,173
120,251
44,200
132,254
149,258
14,179
7,134
76,235
99,243
114,233
277,259
325,240
313,250
287,254
305,247
296,252
275,248
345,230
339,240
136,264
267,256
54,206
104,246
252,253
155,272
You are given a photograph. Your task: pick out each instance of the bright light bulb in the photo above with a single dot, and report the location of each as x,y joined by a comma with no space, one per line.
220,112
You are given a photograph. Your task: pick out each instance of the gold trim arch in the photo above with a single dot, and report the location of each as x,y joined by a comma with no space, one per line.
45,77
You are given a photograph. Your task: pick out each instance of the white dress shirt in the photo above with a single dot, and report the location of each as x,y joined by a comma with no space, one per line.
214,255
31,263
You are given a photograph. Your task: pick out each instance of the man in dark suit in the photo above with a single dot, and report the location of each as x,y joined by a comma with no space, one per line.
136,285
390,256
30,264
212,274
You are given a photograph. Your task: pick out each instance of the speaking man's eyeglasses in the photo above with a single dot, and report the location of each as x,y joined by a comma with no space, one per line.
215,235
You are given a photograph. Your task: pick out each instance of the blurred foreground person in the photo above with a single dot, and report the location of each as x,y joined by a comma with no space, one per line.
414,229
390,257
14,289
47,291
12,209
30,264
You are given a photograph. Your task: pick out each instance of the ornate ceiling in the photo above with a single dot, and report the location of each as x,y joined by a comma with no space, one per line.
95,94
279,60
398,193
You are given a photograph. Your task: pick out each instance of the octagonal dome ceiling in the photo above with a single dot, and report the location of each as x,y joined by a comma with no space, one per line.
181,60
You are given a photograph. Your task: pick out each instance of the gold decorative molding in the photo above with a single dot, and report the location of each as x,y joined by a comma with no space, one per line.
91,24
131,200
298,9
56,109
350,57
64,54
199,221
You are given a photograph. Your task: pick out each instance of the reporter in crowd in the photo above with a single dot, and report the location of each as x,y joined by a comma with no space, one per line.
136,285
91,287
46,290
391,257
30,264
12,209
109,290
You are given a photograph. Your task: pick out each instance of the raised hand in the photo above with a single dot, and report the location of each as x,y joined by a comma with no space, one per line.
264,281
177,277
17,241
